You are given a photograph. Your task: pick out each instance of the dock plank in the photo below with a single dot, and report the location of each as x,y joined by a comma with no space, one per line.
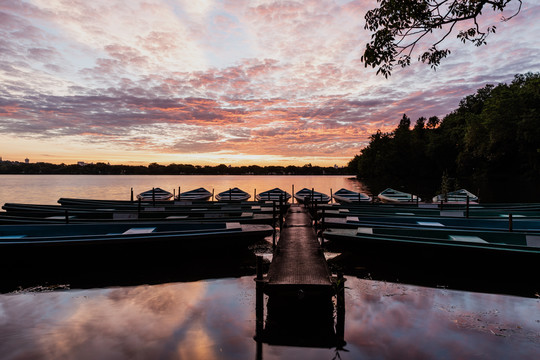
298,260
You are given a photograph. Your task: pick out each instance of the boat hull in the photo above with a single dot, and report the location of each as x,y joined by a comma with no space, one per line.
305,195
435,263
344,196
396,197
156,194
273,195
233,195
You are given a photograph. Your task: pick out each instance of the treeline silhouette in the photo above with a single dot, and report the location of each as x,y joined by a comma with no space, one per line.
489,145
9,167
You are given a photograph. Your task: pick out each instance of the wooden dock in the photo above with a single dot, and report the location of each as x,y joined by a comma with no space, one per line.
298,266
300,289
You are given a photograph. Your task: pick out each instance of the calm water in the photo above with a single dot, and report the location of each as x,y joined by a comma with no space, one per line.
214,318
47,189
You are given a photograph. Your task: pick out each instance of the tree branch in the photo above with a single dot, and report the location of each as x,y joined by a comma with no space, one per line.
396,21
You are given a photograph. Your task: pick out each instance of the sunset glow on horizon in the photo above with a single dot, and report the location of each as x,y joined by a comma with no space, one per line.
213,82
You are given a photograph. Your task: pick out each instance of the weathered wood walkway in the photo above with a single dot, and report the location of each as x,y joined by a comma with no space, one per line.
298,266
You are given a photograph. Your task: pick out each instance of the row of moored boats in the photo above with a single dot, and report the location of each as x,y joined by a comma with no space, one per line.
343,195
454,228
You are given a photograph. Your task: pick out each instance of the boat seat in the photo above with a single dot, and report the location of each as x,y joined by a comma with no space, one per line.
533,240
364,230
429,223
475,239
139,231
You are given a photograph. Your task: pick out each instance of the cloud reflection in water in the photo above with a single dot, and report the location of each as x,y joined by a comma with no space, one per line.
216,320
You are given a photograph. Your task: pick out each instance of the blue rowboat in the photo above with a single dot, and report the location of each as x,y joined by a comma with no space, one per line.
394,196
233,195
275,194
156,194
344,196
200,194
307,195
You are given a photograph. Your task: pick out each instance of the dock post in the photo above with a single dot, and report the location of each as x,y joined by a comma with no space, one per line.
315,215
131,194
274,224
259,307
292,194
340,311
230,194
331,196
67,217
281,211
510,225
259,267
322,226
212,195
467,210
154,197
179,193
255,194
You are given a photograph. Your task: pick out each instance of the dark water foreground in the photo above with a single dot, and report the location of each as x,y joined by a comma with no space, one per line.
205,308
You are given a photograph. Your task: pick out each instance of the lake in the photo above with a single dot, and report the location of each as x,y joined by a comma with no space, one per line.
200,311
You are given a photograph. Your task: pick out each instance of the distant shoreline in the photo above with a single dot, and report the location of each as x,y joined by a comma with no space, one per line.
18,168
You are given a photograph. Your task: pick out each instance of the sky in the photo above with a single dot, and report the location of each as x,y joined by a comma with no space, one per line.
232,82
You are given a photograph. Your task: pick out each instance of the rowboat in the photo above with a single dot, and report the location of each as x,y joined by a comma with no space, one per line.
502,261
435,212
200,194
445,235
344,196
275,194
456,197
127,234
157,194
35,249
307,195
517,224
394,196
233,195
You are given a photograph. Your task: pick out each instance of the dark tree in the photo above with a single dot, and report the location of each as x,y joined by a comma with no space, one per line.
398,26
489,144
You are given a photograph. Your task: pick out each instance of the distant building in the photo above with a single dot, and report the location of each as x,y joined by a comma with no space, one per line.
81,163
27,161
